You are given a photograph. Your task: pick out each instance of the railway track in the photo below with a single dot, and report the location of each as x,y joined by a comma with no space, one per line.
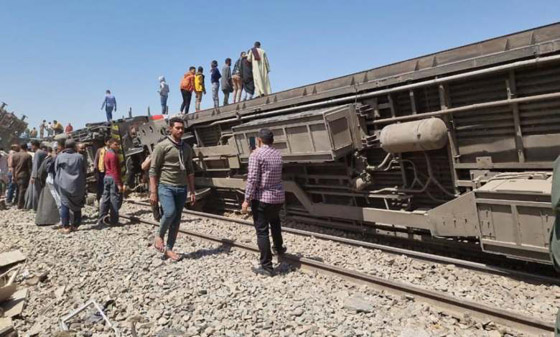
486,268
448,304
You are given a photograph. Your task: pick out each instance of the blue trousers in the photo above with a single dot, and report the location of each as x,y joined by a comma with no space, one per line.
12,187
172,200
65,216
163,104
109,112
110,200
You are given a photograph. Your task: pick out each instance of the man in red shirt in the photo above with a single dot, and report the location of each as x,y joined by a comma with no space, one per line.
69,129
112,185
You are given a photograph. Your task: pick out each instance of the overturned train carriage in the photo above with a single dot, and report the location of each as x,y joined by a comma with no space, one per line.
457,145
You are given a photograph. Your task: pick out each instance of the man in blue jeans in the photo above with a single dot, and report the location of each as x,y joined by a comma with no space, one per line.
171,173
110,104
70,183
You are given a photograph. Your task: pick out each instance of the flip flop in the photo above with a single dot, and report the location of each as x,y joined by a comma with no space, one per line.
177,259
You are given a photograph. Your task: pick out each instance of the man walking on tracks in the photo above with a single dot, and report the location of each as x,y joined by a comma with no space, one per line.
171,171
265,193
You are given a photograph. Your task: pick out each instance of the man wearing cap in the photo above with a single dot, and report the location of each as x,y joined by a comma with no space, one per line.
265,193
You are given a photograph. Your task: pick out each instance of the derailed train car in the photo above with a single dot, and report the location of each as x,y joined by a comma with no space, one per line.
11,127
456,145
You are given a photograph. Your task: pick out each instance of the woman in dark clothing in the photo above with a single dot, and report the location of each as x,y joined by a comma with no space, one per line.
47,210
247,76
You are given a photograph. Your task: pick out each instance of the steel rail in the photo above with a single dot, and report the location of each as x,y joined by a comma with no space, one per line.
507,272
449,304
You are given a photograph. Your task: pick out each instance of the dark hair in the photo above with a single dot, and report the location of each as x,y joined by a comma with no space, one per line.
257,44
241,54
49,149
192,68
174,120
214,63
228,60
200,69
35,142
107,91
23,146
69,143
55,120
266,136
111,141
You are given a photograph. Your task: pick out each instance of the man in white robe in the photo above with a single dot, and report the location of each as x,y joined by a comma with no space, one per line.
261,68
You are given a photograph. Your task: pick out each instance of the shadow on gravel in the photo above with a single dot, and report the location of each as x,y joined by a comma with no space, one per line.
223,249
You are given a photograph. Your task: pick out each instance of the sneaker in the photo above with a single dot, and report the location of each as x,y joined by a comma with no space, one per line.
264,271
280,251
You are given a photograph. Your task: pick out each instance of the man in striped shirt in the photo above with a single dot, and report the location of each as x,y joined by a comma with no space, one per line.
265,193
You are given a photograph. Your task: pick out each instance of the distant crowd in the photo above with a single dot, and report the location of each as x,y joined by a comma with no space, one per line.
48,130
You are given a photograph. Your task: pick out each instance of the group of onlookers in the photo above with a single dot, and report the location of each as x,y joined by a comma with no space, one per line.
249,74
49,129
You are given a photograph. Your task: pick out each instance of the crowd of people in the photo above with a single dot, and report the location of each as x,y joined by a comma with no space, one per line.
249,75
48,130
51,180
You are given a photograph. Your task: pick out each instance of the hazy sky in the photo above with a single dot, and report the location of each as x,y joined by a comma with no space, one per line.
57,58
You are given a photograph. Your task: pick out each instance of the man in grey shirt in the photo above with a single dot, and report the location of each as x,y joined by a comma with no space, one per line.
171,172
227,84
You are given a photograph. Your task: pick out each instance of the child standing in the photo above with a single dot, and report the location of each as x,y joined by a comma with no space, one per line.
215,80
199,87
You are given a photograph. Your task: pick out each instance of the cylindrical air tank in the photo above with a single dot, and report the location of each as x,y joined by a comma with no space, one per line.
422,135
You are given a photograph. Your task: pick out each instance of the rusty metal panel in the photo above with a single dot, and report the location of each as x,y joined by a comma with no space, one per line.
313,136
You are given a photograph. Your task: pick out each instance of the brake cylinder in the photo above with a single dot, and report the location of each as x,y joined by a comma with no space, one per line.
422,135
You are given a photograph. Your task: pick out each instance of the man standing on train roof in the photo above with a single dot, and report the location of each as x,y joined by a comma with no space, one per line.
171,172
265,193
110,104
261,68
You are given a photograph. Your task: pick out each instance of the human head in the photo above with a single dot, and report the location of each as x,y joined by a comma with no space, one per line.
176,128
35,144
44,120
107,141
257,44
228,61
113,144
162,78
23,146
81,147
33,128
200,69
15,147
214,64
192,69
108,92
55,121
69,123
243,54
266,136
70,144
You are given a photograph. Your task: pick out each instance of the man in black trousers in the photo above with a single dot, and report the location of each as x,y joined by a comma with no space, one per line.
265,193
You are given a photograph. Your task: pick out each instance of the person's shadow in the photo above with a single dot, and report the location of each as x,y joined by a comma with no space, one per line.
222,249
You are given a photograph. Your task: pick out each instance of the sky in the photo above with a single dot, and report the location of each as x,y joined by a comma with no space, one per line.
57,58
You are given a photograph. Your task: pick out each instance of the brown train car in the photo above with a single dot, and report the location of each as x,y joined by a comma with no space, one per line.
455,146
